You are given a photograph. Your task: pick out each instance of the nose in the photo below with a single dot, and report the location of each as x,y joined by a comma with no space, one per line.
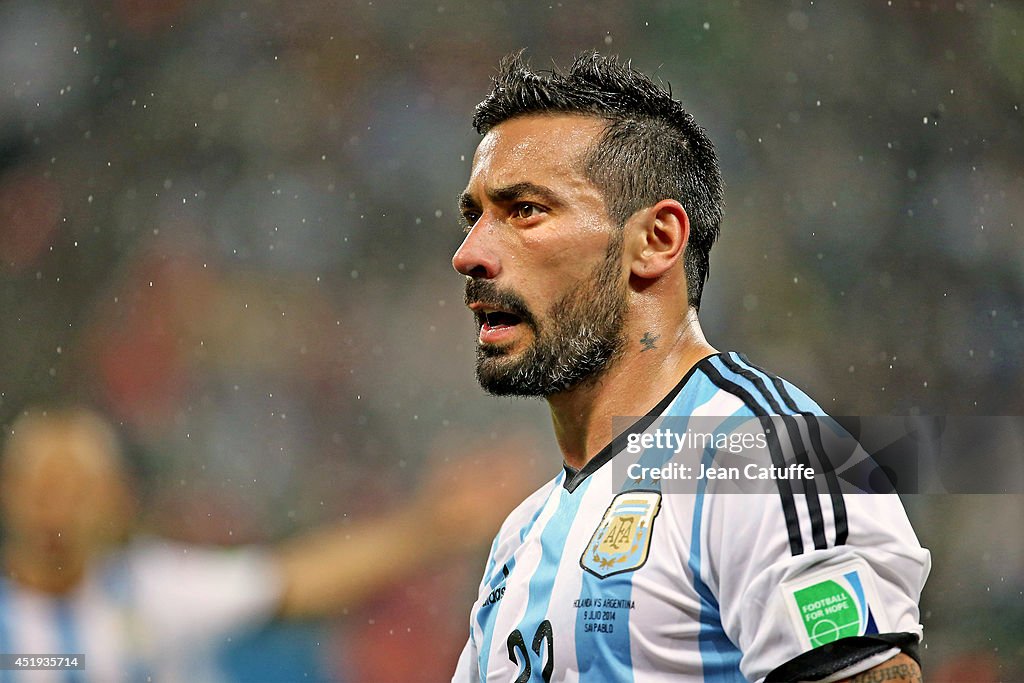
476,257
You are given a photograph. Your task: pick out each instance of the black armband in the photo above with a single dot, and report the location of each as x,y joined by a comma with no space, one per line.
824,661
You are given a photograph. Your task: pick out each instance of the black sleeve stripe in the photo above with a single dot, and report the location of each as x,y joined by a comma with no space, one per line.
796,543
813,428
799,450
810,488
838,504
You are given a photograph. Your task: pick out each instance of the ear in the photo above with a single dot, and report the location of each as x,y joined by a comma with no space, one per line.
658,238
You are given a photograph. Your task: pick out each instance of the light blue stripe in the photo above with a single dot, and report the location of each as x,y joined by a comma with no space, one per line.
487,615
862,601
600,656
491,559
608,656
720,658
552,541
485,619
698,391
605,656
5,636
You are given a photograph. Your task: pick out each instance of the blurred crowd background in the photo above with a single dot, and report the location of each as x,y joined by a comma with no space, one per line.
228,224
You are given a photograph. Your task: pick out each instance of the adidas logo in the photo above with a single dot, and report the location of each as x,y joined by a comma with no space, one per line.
499,592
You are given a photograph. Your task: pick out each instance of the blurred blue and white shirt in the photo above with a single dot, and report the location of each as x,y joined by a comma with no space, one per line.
155,611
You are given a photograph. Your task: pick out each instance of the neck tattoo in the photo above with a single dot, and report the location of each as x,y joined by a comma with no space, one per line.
648,341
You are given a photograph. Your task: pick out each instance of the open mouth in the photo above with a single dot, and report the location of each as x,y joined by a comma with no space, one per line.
493,319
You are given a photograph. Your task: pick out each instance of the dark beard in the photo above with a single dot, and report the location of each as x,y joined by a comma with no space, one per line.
580,337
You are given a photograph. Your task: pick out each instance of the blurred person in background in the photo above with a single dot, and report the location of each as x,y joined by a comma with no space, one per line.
75,580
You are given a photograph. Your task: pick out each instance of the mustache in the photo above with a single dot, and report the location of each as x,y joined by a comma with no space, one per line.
507,300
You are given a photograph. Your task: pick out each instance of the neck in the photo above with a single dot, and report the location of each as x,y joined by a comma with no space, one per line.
44,574
654,360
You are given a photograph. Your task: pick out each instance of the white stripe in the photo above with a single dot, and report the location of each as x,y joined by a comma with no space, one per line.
528,558
721,404
35,631
108,632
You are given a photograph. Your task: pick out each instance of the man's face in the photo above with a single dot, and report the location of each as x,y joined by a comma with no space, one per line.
61,497
543,260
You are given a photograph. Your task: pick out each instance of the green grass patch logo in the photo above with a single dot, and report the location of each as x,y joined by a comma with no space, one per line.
834,608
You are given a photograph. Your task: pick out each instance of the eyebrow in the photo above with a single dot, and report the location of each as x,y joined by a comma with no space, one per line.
511,193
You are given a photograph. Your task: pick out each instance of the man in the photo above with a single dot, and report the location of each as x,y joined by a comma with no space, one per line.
146,609
592,204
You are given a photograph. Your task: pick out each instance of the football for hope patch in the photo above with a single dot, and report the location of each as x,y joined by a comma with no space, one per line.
834,603
622,540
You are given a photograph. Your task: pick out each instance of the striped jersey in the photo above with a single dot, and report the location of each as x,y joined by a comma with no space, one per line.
606,574
156,611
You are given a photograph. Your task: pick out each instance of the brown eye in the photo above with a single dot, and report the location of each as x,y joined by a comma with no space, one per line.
525,211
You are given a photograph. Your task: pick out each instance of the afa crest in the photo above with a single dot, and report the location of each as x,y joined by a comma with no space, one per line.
622,539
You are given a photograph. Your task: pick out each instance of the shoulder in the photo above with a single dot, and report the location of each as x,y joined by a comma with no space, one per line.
519,522
770,557
531,506
761,392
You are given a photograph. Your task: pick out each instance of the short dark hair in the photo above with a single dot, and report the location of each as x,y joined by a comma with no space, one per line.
651,150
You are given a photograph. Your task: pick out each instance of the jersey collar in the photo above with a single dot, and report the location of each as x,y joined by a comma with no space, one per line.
574,477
